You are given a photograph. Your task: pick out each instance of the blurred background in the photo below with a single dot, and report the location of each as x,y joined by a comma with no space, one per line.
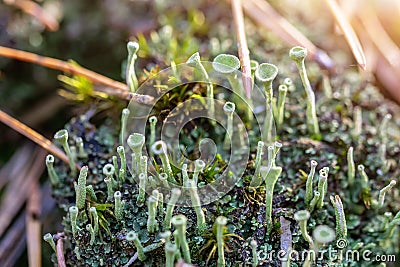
94,34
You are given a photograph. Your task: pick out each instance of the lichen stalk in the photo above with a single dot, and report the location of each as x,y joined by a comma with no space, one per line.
351,170
135,142
229,109
133,237
49,239
175,194
152,212
131,78
118,205
159,148
341,226
179,222
253,244
198,168
153,123
220,222
195,61
73,213
124,119
298,55
122,157
270,181
142,189
322,184
95,219
50,170
80,188
62,137
309,183
281,104
89,228
302,217
196,204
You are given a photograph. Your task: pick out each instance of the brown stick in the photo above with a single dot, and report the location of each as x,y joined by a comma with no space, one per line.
33,226
266,16
349,33
60,252
242,45
64,66
34,136
36,11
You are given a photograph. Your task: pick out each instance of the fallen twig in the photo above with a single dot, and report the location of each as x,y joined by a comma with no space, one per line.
60,249
242,45
34,136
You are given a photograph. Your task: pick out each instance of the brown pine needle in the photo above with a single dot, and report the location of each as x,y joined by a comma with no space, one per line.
33,226
34,136
64,66
349,33
266,16
242,45
36,11
110,86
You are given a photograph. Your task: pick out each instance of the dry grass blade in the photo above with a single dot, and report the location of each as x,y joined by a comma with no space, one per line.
36,11
13,166
34,136
349,33
266,16
378,35
242,45
33,227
